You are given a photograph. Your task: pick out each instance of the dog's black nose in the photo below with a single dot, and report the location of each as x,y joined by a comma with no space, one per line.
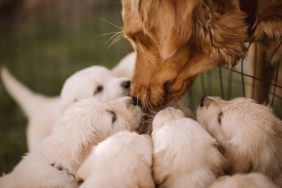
125,84
202,101
134,101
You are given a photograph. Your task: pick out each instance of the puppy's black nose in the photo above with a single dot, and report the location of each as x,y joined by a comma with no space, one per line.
202,101
134,101
125,84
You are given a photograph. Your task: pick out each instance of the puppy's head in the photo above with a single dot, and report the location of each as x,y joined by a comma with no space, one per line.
166,115
249,132
95,81
170,137
89,121
121,157
176,40
236,119
103,118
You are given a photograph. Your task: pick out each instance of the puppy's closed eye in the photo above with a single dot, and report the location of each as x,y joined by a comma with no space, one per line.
99,89
219,118
113,114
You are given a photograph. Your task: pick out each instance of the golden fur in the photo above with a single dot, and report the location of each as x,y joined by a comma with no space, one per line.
177,40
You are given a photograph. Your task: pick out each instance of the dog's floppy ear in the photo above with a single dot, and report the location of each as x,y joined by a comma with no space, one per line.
130,12
170,23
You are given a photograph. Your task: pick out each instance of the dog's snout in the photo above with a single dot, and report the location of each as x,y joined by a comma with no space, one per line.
134,101
202,101
125,84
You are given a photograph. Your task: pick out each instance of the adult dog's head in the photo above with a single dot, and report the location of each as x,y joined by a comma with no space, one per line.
176,40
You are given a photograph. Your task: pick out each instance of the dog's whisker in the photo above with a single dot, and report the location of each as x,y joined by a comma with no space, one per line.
112,37
138,98
148,105
107,21
115,40
151,109
145,101
109,33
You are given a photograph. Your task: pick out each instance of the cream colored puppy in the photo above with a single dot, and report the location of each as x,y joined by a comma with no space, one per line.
95,81
250,134
123,160
83,125
125,67
252,180
185,155
43,112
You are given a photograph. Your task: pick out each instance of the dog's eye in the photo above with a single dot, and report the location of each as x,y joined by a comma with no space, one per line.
99,89
113,114
166,87
219,117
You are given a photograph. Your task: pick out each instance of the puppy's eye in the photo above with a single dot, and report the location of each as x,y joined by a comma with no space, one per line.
113,114
219,117
99,89
166,87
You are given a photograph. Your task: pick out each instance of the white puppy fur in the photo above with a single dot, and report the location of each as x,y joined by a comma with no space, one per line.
252,180
185,155
123,160
250,134
83,125
95,81
125,67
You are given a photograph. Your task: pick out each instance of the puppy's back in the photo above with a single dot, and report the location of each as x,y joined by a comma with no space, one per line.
253,180
123,160
180,155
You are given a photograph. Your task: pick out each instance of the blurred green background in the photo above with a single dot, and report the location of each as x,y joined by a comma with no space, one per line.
43,44
42,50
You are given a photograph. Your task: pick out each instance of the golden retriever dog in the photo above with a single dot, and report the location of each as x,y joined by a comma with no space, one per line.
84,124
123,160
252,180
184,155
177,40
249,133
95,81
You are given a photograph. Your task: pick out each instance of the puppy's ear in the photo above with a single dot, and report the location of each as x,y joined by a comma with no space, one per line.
170,23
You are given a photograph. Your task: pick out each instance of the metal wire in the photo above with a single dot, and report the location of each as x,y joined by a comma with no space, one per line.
221,82
203,84
229,89
253,77
276,80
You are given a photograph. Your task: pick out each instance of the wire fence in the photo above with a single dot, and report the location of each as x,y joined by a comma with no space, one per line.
242,81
